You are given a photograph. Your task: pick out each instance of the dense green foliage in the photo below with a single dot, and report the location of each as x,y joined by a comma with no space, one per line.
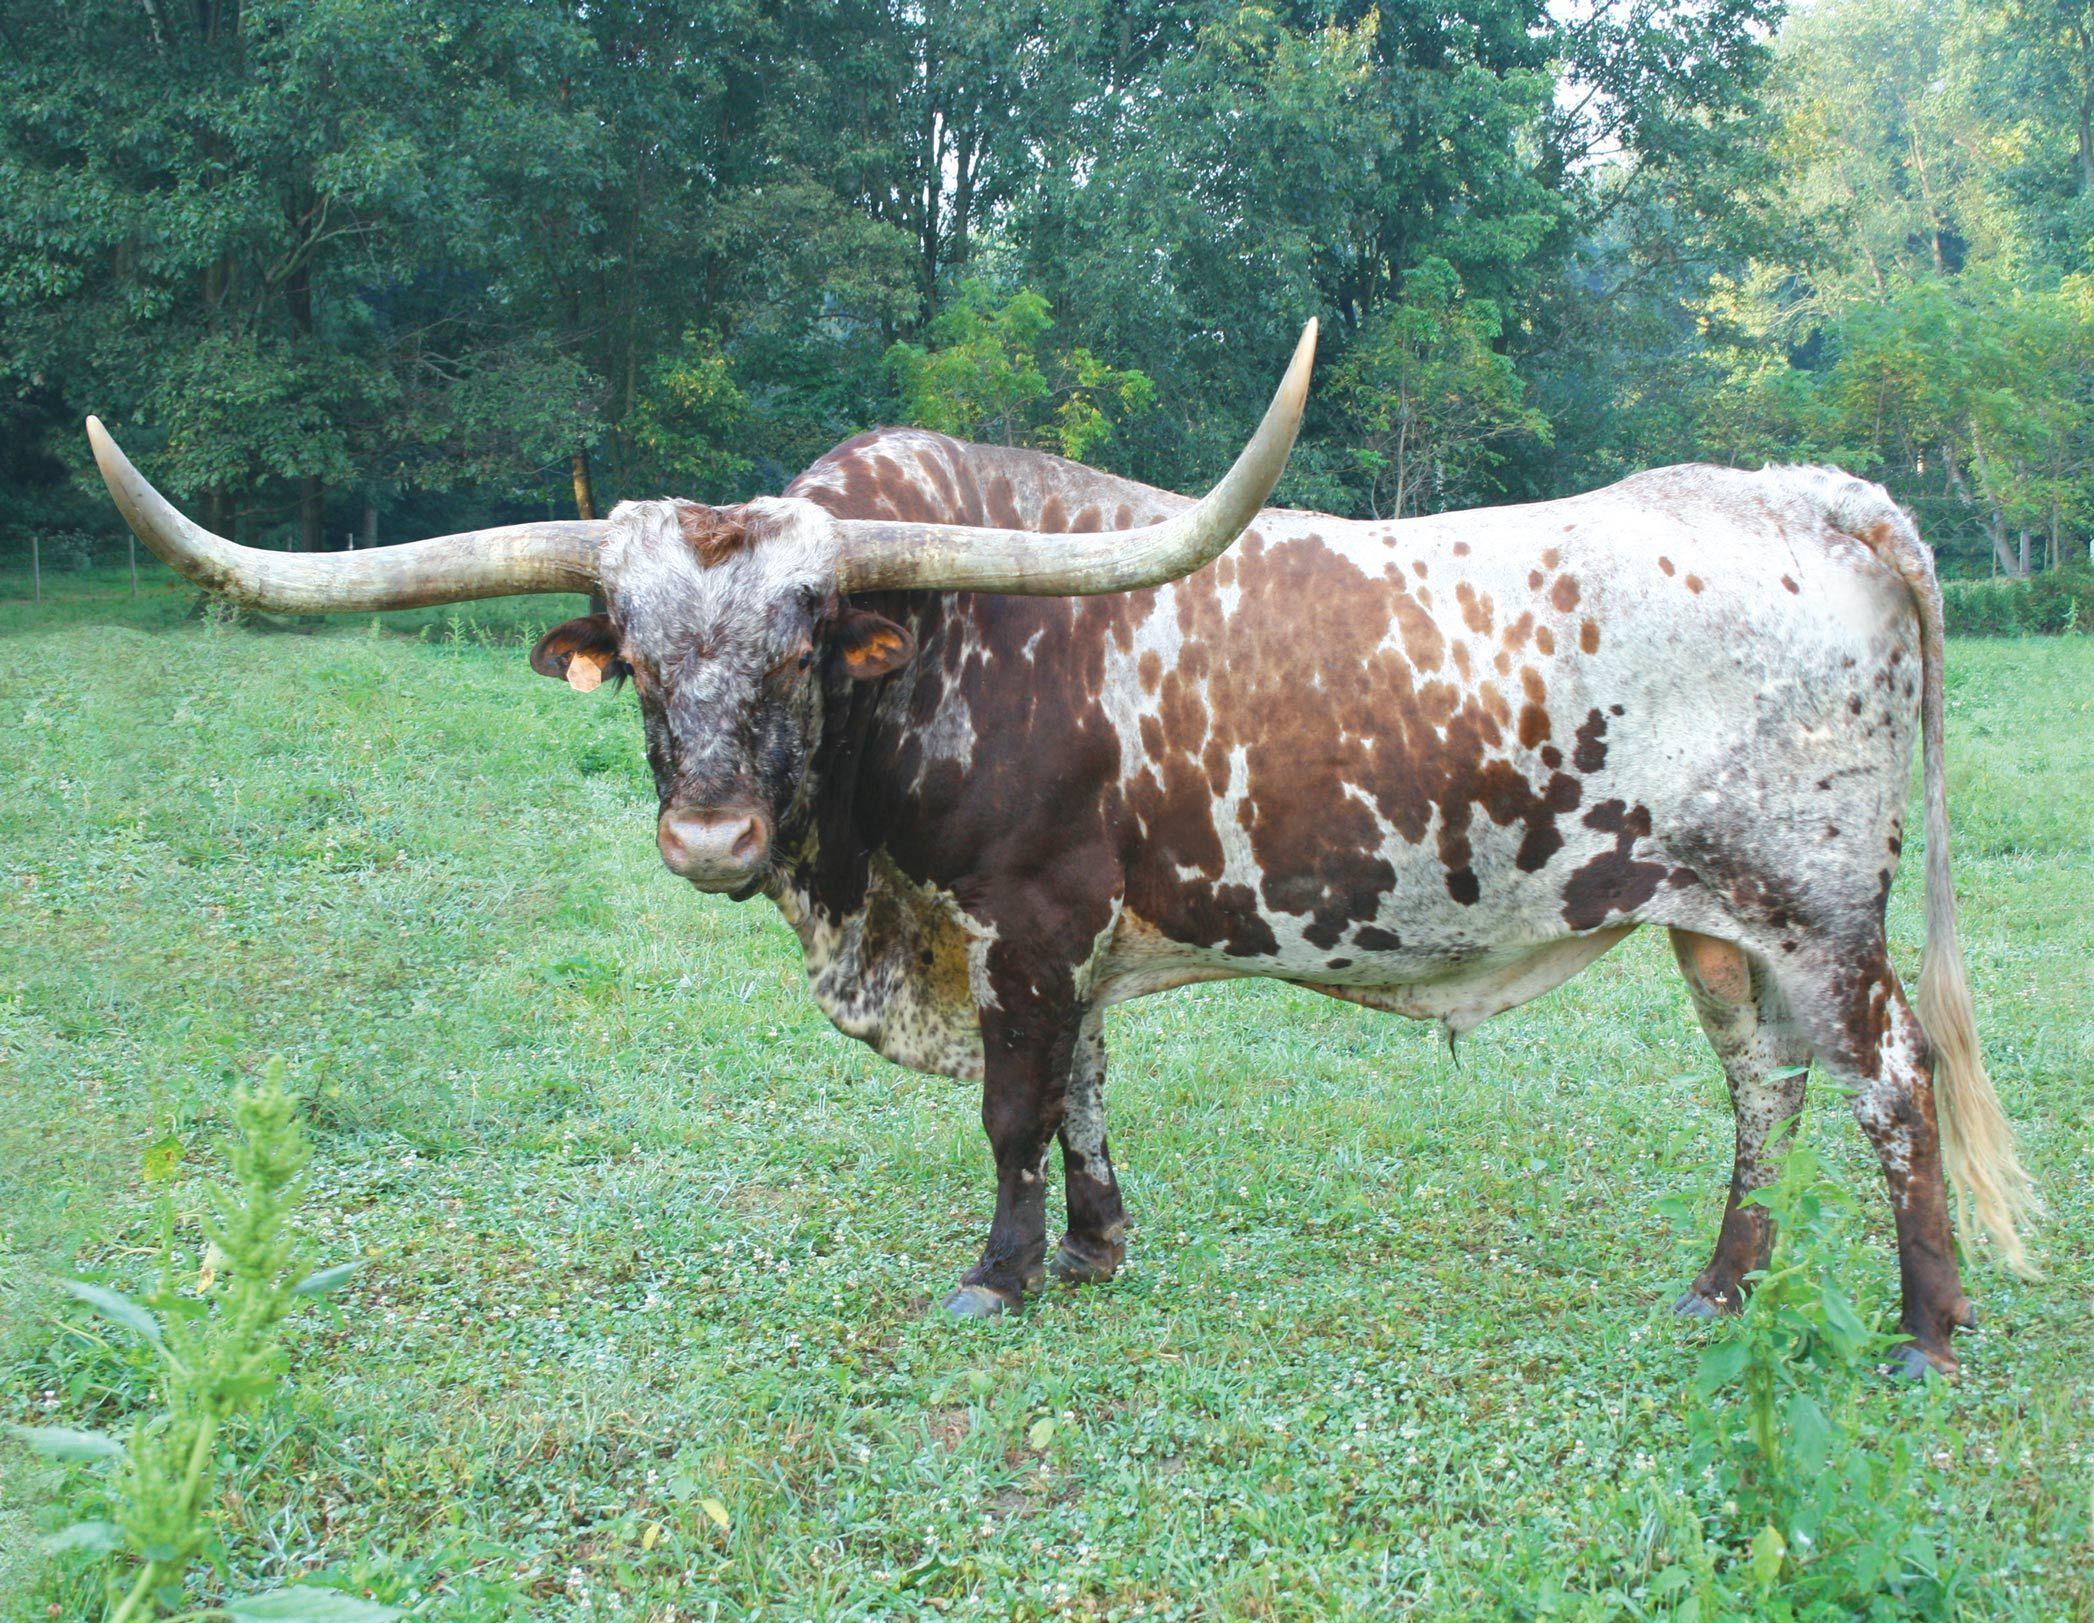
642,1232
2059,601
381,267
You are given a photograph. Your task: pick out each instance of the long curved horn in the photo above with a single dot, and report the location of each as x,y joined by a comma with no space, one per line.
558,556
957,557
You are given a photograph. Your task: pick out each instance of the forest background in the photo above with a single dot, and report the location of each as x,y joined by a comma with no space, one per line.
345,271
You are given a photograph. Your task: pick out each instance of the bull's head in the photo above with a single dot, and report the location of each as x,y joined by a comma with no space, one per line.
731,622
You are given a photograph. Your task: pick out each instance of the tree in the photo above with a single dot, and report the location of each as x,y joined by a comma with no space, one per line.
267,232
1426,399
984,373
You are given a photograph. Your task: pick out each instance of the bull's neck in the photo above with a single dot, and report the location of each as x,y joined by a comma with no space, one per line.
850,793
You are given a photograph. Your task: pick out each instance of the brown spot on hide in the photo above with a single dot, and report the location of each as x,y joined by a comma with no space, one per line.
1544,639
1589,636
1517,633
1791,585
1475,608
1534,579
1564,594
1420,632
1591,754
1053,516
1665,564
1150,670
1461,549
1694,584
1612,883
1551,558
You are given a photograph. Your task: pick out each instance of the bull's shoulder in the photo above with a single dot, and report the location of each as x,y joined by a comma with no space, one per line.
910,474
916,475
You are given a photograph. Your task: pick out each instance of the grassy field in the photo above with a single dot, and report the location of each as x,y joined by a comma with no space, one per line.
643,1231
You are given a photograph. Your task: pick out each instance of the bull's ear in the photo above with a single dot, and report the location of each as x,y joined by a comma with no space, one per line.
580,653
869,645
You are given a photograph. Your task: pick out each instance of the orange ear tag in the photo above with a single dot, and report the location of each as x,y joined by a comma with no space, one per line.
585,673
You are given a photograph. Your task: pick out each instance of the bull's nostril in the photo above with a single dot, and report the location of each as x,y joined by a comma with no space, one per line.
750,844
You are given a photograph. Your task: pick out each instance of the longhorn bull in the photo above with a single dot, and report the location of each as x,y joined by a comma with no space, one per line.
1009,741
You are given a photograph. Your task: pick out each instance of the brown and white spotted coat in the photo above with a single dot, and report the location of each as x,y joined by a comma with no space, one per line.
1435,766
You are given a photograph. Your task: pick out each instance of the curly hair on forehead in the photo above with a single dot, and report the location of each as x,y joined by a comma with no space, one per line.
714,533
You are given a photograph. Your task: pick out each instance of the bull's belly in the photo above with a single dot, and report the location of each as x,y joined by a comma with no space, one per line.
1459,987
903,973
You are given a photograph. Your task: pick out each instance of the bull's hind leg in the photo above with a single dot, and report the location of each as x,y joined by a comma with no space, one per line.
1868,1037
1096,1242
1765,1059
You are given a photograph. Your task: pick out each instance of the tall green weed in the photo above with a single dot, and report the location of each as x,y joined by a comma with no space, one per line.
218,1346
1826,1468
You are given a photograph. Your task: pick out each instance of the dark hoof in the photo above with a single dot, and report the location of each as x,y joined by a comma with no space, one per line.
1694,1305
1968,1318
1911,1362
1075,1263
977,1302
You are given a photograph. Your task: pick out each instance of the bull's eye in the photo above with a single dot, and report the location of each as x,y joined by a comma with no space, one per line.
796,658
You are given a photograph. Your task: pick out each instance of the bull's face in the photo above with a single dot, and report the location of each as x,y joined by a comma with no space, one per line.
731,627
733,623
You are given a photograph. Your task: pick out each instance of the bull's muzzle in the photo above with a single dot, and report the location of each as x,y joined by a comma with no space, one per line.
719,848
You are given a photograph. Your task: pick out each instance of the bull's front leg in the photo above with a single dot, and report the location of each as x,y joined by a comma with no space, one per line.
1096,1242
1028,1043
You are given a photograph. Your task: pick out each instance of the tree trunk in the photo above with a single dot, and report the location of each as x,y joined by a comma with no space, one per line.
584,487
312,513
585,507
1995,520
2086,145
2001,552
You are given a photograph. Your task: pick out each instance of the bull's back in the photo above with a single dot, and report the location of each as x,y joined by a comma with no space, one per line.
1364,749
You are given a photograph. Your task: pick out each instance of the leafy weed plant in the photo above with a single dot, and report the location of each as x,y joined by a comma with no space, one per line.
1828,1492
220,1353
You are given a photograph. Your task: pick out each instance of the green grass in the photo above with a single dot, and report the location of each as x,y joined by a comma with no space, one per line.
644,1231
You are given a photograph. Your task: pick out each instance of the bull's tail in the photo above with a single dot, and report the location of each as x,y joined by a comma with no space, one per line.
1977,1141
